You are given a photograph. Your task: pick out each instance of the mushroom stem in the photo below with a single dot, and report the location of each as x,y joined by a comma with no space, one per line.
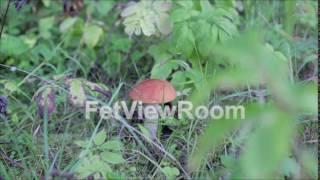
151,120
152,126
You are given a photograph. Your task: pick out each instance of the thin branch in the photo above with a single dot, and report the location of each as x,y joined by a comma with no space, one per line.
4,17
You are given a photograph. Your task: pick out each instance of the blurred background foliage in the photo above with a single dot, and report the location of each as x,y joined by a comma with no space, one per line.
259,54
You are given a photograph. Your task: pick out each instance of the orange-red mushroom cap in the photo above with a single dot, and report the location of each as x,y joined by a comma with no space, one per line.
153,91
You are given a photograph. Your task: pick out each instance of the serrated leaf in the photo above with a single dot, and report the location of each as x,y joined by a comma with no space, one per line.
185,41
147,17
92,34
179,15
163,70
112,158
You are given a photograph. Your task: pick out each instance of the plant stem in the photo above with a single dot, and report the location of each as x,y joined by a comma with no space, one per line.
4,17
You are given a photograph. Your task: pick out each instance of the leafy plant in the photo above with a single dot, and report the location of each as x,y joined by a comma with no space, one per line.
100,157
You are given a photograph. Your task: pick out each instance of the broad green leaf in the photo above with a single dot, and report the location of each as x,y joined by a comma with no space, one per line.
178,80
160,52
180,15
120,43
227,26
223,36
45,25
92,34
30,40
12,45
67,24
114,145
186,4
170,172
100,138
163,70
112,158
104,7
185,40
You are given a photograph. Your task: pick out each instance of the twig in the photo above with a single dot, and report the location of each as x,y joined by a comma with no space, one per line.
11,161
4,18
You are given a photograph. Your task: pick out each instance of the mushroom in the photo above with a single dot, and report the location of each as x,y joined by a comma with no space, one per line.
153,92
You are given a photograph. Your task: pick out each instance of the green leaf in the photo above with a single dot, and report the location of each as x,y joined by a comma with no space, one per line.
112,158
104,7
67,24
185,4
12,45
46,3
92,34
180,15
100,138
45,25
82,144
170,172
115,145
160,52
92,165
11,86
178,80
163,70
185,40
120,43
